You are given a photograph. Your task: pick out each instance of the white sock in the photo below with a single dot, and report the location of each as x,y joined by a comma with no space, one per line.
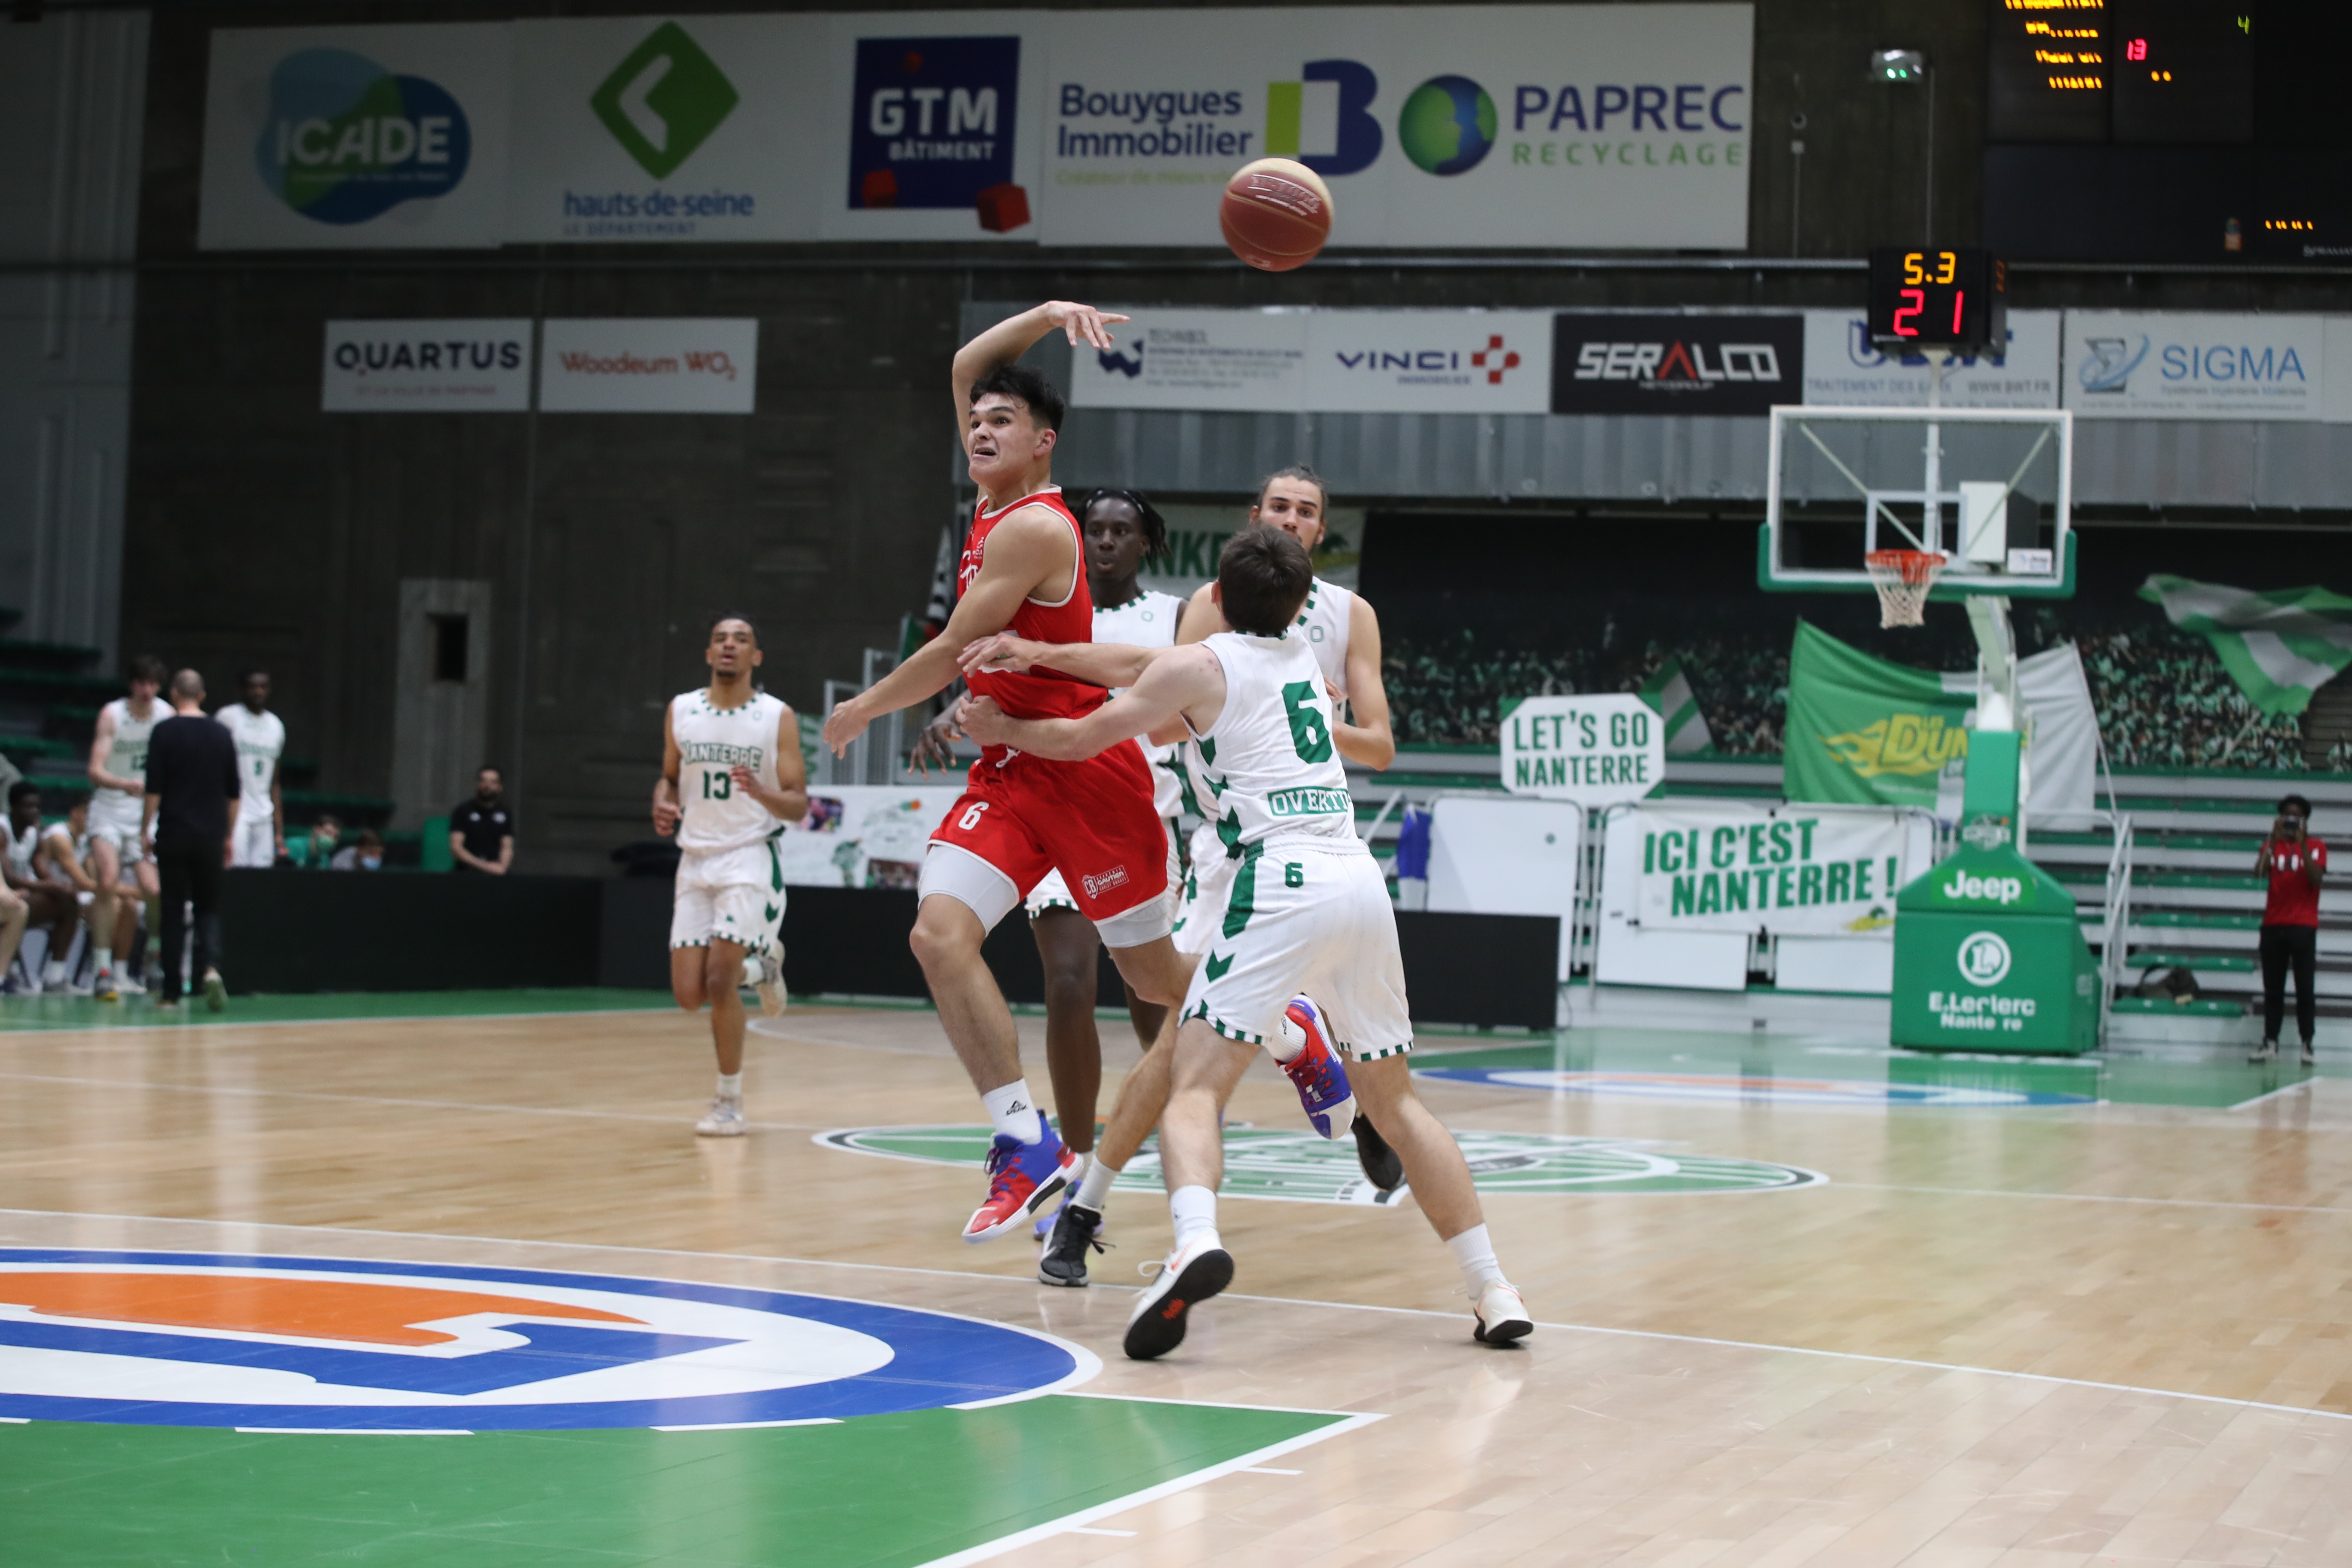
1014,1111
54,975
1476,1254
1094,1189
731,1086
1194,1210
104,958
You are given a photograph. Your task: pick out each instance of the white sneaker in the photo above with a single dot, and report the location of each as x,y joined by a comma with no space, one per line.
1189,1276
128,986
723,1120
1502,1316
770,984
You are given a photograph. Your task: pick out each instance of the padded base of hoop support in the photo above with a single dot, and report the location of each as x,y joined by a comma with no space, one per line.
1946,591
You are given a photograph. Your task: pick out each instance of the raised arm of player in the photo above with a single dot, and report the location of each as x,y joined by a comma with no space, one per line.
667,811
100,744
1012,337
1031,551
1364,737
1185,684
789,799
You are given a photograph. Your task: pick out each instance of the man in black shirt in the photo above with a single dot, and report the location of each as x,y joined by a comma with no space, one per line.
481,833
192,793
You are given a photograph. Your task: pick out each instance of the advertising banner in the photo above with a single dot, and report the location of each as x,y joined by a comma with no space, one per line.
1731,865
648,365
1609,126
1606,363
349,138
931,125
2121,365
426,367
1595,751
863,835
637,128
1328,362
1842,367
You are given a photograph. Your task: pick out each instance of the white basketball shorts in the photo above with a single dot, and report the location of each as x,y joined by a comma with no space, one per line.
734,895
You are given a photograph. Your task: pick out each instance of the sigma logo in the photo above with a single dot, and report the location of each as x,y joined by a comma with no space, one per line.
2003,890
1103,882
1677,361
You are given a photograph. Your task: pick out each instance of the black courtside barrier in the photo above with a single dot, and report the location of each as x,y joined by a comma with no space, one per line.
325,930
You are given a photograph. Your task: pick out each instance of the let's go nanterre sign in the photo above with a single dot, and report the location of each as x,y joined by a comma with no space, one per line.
1595,751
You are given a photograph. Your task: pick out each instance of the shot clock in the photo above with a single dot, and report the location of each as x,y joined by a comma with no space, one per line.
1951,300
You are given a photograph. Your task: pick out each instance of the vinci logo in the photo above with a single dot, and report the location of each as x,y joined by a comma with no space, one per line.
931,120
307,1344
665,100
1324,119
346,141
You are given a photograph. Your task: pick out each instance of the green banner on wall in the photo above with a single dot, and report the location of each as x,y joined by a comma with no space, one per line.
1865,732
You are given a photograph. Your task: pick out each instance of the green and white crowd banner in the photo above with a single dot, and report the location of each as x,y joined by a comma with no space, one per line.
1729,866
2279,647
863,836
1595,751
1864,730
1668,692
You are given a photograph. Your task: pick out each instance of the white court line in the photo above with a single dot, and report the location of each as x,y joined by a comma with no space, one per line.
1090,1529
754,1426
355,1431
1264,1470
1029,1282
2282,1088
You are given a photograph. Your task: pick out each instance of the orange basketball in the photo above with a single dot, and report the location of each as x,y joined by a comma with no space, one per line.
1277,214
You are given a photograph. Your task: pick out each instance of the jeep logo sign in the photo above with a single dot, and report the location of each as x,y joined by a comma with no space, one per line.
1962,888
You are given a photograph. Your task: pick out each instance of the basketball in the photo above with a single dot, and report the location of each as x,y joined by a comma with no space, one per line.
1277,214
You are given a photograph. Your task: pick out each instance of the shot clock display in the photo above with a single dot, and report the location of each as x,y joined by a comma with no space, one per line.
1954,300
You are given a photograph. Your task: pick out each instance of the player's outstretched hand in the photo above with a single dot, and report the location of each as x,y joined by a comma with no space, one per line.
1002,653
1084,323
983,721
844,725
935,745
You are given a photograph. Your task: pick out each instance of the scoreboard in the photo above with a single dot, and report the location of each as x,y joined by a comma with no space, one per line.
1955,300
2166,130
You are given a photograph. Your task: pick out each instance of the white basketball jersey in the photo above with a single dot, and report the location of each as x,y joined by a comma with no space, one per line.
1268,764
711,741
260,741
127,758
1324,624
20,848
1147,620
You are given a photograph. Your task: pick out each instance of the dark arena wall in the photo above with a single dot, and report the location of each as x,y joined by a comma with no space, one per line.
261,530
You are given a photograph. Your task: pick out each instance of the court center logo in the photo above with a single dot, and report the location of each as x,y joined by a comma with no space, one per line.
346,141
1299,1167
665,99
311,1345
1984,958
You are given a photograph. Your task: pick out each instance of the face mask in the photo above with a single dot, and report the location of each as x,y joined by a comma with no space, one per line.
371,862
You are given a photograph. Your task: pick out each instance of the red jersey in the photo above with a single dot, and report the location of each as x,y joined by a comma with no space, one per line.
2294,901
1039,694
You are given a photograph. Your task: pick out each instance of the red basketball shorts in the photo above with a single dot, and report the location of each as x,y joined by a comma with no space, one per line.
1093,821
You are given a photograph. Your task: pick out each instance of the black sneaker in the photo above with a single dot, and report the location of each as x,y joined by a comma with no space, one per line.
1381,1166
1064,1262
1189,1276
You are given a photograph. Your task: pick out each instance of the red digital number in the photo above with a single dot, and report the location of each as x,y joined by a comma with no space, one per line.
1917,305
1959,297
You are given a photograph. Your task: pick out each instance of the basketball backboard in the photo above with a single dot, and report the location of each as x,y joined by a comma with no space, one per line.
1990,488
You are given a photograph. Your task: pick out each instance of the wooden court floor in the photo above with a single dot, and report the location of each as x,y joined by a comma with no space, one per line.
2034,1329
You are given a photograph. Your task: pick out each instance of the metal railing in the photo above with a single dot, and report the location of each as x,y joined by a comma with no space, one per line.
879,755
2118,910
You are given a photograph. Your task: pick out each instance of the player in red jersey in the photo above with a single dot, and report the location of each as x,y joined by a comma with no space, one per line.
1023,571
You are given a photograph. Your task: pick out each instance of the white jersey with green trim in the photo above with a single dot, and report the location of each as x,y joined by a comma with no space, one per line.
1267,765
126,757
260,740
1323,622
711,741
1147,620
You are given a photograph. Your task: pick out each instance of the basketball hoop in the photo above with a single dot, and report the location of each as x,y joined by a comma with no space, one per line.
1904,578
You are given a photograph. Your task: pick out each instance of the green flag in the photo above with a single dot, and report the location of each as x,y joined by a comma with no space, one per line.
1865,732
1669,693
2279,647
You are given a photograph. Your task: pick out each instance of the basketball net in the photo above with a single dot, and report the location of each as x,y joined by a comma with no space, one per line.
1904,579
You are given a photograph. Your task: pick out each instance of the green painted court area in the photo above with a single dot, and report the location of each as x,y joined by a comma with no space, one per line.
881,1491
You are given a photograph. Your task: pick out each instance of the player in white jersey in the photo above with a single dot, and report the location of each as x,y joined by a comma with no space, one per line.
1306,909
260,835
732,777
16,885
118,810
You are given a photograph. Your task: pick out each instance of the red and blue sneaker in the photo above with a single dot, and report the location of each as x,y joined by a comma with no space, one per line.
1023,1178
1317,1071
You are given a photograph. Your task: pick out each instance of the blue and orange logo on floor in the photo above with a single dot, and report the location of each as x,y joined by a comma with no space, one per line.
307,1344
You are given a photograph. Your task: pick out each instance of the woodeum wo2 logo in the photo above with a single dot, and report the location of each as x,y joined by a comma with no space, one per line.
346,141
